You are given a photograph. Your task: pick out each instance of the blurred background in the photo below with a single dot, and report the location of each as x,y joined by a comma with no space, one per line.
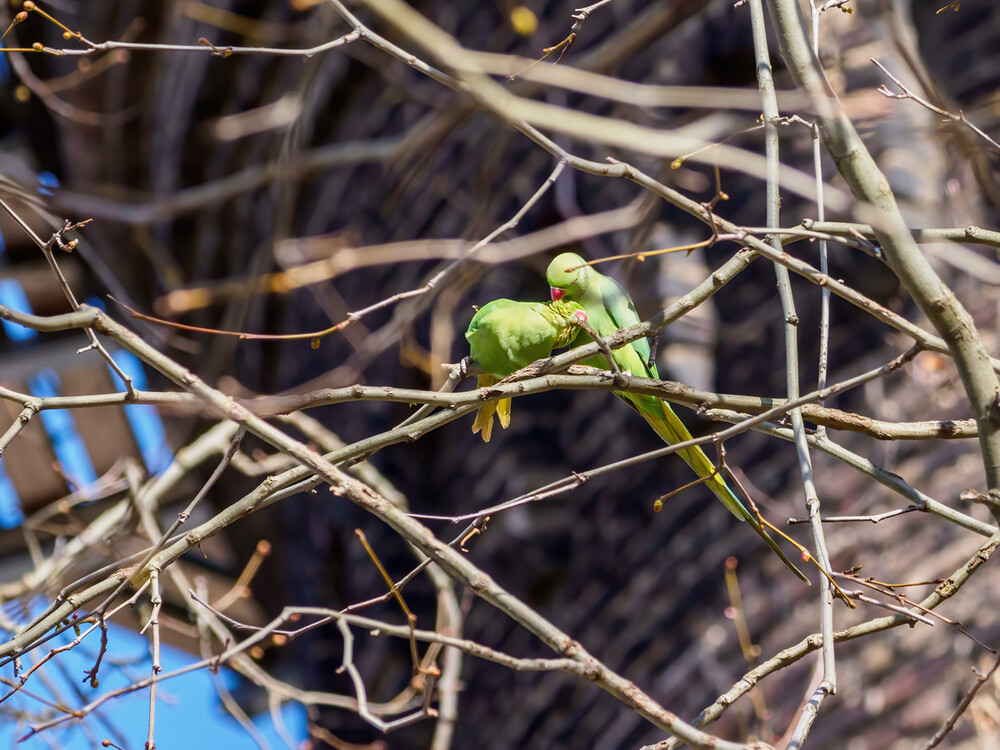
204,173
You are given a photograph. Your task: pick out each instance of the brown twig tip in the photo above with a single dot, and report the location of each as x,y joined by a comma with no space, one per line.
68,33
218,51
19,18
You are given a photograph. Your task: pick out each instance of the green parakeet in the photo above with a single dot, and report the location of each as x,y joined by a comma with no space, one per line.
609,308
505,336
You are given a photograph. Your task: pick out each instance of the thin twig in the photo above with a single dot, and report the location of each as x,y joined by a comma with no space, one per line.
949,724
908,94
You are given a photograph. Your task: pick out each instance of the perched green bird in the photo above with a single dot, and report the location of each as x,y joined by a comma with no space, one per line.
505,336
609,308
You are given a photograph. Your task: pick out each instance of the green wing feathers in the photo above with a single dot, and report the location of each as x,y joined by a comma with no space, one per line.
609,308
623,314
505,336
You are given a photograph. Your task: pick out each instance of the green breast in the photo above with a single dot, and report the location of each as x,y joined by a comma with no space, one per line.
505,335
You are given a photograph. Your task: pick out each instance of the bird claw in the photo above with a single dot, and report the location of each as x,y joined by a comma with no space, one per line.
463,367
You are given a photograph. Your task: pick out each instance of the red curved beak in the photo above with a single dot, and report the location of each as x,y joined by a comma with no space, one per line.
556,294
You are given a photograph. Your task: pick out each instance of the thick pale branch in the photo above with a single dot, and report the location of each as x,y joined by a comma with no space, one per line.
879,208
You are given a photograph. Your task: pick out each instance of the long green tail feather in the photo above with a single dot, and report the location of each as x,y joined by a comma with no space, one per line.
668,426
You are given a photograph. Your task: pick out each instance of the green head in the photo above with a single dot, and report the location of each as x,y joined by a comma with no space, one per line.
568,276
